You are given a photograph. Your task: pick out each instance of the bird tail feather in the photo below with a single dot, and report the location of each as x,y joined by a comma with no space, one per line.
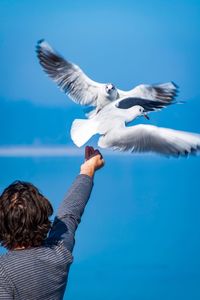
82,131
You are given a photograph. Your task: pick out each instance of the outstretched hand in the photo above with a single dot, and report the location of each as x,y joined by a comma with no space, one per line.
93,161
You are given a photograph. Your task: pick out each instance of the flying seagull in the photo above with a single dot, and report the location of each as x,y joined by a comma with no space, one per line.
110,123
85,91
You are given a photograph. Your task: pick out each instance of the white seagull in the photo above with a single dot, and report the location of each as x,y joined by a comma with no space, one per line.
110,124
83,90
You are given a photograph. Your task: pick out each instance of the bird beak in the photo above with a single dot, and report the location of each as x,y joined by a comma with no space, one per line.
146,116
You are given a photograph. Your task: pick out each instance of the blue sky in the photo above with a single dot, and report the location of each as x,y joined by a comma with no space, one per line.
139,238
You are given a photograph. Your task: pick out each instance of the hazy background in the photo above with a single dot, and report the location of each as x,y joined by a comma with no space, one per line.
139,237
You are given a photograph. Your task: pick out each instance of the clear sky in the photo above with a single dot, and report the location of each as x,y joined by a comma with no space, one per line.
139,238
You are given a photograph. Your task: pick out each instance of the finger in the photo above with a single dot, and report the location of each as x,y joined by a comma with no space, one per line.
91,151
87,152
97,152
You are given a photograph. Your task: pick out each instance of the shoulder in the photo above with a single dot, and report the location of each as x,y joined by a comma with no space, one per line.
47,253
4,258
4,274
9,260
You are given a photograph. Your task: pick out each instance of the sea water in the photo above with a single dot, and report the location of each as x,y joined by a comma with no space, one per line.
139,235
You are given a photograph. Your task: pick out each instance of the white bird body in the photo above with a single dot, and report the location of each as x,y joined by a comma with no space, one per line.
110,124
118,117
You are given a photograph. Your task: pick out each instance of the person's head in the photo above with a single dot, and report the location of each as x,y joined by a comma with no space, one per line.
24,216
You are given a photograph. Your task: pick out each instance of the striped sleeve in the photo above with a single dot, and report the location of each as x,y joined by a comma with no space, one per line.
70,211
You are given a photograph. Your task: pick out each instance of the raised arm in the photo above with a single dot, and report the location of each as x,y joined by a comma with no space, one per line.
71,209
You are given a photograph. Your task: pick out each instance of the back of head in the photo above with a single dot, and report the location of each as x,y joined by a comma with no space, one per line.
24,216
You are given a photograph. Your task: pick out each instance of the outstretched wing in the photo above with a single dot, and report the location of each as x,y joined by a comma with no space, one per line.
163,93
148,138
69,77
148,105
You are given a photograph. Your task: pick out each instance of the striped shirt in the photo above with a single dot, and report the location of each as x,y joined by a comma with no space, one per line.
40,273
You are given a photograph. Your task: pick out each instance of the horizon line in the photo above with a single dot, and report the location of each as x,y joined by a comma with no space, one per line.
46,151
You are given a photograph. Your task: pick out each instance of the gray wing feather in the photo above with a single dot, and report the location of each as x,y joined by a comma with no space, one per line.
69,77
164,93
148,138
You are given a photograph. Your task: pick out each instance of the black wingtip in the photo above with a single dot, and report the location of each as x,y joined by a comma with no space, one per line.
175,85
38,46
40,41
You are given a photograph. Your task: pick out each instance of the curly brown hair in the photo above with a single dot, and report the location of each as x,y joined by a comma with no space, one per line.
24,216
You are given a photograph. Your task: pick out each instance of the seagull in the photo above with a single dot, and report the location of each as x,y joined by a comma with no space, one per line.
85,91
110,124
